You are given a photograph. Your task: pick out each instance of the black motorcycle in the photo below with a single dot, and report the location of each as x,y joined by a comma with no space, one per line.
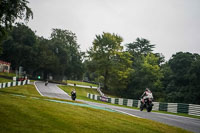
147,103
46,83
73,96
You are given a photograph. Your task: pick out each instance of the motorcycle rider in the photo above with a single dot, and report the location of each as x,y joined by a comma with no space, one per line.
46,83
73,94
147,94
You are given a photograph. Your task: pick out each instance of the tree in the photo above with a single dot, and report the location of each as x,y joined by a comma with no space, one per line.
46,60
147,70
140,46
64,42
10,10
182,79
120,73
109,58
194,77
147,74
18,47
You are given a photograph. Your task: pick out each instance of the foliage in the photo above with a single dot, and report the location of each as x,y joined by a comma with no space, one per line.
182,76
10,10
18,47
140,46
66,47
147,69
109,61
58,57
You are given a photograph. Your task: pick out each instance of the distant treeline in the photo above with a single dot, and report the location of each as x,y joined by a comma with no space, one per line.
125,73
58,56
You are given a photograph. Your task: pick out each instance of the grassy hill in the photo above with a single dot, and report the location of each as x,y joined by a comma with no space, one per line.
22,109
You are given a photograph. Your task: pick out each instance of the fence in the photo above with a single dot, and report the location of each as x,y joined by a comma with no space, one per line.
191,109
17,83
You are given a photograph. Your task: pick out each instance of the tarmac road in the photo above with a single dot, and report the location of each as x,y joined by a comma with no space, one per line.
191,124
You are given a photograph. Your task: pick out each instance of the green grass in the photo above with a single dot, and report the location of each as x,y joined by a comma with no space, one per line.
24,114
3,80
7,74
25,90
81,92
81,83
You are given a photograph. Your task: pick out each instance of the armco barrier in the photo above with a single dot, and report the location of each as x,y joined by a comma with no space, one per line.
194,109
17,83
191,109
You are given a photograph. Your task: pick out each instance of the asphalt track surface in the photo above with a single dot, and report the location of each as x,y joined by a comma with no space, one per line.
190,124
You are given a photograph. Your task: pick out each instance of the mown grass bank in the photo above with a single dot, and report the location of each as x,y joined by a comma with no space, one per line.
25,114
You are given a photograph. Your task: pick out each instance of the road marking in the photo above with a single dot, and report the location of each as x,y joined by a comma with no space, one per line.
127,113
37,88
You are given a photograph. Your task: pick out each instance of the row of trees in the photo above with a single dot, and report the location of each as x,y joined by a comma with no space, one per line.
126,73
11,10
58,56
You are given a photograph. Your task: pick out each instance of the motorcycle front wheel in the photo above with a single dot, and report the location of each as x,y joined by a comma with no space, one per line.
149,108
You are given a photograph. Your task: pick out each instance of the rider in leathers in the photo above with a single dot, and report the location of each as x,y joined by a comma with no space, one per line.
147,94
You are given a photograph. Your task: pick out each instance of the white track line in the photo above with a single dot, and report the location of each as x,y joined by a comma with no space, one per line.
37,88
126,113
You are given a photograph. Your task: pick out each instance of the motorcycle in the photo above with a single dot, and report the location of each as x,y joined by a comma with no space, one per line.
146,103
46,83
73,96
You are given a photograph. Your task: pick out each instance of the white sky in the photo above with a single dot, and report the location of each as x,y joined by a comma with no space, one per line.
173,25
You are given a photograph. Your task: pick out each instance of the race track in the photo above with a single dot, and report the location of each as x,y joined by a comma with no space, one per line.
191,124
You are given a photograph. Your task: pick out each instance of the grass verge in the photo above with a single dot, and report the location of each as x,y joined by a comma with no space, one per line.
7,74
81,92
28,90
80,83
3,80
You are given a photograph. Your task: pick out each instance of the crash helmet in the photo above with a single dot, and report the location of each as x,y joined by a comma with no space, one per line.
147,89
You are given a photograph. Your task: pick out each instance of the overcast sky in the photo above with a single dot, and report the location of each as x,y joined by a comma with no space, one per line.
173,25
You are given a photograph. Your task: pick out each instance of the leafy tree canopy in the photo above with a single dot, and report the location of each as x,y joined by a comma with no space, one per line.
10,10
111,62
